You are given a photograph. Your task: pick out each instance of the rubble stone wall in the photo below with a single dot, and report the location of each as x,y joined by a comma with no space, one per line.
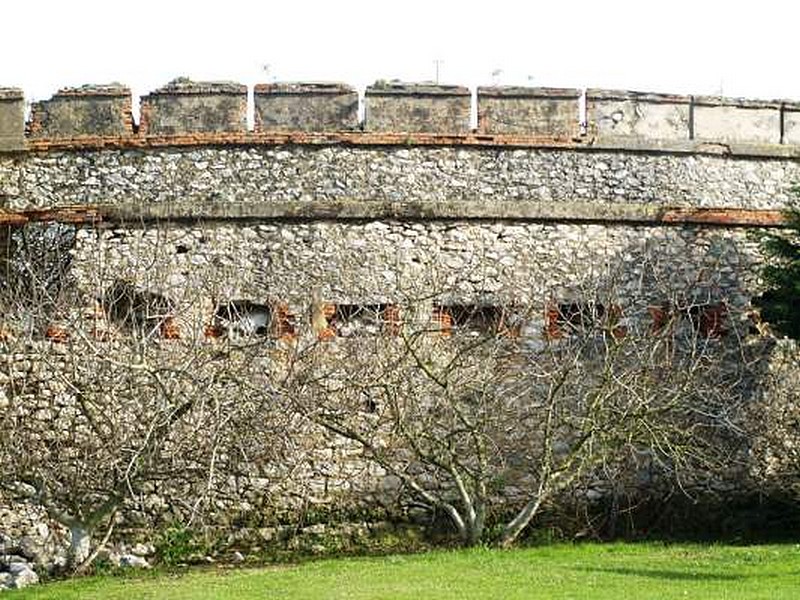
398,174
416,152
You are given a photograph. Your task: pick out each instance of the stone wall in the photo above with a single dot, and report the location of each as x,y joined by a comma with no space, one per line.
400,174
382,262
656,196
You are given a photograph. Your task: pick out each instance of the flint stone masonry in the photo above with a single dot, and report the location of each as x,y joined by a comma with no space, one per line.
305,173
417,107
184,106
528,111
638,114
380,261
100,110
25,532
737,120
12,119
305,107
326,470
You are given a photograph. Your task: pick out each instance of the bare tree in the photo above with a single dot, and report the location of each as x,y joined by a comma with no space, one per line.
476,407
109,402
476,404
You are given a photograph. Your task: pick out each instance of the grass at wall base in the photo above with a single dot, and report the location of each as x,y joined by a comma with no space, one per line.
600,571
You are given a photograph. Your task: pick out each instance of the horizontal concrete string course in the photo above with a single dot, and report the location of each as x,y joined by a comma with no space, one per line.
355,210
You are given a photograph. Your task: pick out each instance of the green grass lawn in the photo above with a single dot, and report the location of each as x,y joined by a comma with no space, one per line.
614,571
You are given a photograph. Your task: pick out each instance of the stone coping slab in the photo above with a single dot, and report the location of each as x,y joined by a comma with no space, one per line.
7,93
397,88
288,88
183,86
621,95
528,92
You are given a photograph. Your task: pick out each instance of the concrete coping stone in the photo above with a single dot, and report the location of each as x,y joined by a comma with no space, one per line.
510,91
399,88
94,90
303,88
791,105
651,97
11,94
735,102
184,86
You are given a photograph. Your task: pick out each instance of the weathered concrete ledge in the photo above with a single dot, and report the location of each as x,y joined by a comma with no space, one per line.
697,146
371,210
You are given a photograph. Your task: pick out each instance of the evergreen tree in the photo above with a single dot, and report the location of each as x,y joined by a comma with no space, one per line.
780,304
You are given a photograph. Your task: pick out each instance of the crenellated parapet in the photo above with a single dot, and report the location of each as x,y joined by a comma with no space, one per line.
187,107
737,120
12,119
186,112
790,124
305,107
90,110
641,115
552,112
417,108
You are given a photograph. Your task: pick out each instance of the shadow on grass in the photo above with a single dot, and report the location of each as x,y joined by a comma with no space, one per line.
666,574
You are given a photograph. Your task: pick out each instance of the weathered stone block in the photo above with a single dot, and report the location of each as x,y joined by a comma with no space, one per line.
613,113
305,107
551,112
184,106
791,123
12,119
737,120
417,108
90,110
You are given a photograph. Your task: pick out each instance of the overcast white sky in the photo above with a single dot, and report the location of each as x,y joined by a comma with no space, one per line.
684,46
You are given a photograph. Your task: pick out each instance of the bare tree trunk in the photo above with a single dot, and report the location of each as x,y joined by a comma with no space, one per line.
478,524
80,544
520,522
84,565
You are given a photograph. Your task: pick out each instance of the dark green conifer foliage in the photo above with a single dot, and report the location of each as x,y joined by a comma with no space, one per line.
780,304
